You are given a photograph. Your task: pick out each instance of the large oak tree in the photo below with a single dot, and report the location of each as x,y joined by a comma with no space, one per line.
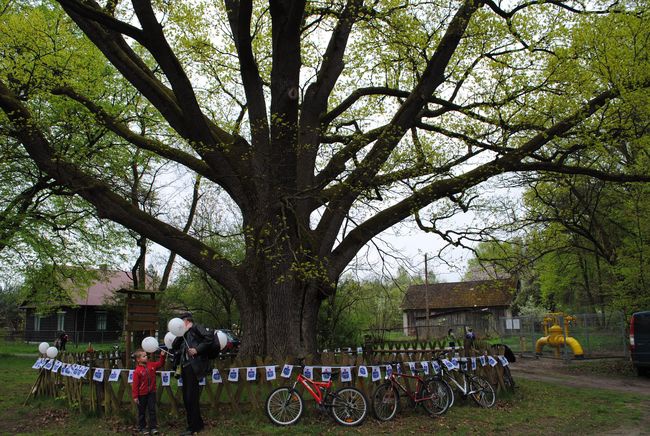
327,123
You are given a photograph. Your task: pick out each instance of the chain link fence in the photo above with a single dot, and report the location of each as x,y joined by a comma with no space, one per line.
597,335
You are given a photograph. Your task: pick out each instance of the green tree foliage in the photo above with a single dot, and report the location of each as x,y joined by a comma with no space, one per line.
324,123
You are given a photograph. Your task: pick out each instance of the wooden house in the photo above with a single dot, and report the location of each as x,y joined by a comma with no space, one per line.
475,304
85,317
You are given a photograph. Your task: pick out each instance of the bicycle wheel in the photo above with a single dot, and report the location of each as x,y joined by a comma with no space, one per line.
450,392
349,406
437,395
284,406
482,391
385,400
508,381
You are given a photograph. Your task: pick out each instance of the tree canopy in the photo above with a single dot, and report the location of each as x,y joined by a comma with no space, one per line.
324,123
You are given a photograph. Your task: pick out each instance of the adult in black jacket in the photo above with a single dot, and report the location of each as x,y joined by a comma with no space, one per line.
191,350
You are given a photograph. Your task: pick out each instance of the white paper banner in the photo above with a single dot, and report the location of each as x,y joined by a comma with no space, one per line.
179,382
389,370
376,373
216,376
412,367
492,361
202,381
450,366
286,371
270,373
456,363
233,375
346,374
425,367
503,360
115,375
362,372
67,370
436,367
49,364
473,363
308,371
130,379
165,377
326,374
251,374
83,371
56,366
38,363
99,374
399,368
482,359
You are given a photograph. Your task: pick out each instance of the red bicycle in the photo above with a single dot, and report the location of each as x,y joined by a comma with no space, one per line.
348,405
431,393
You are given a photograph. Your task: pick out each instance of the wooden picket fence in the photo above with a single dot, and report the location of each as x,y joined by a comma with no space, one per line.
112,398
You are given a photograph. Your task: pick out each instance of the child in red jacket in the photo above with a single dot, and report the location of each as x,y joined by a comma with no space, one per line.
144,389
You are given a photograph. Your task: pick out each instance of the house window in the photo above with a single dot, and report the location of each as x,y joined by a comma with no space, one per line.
37,322
60,321
513,324
101,321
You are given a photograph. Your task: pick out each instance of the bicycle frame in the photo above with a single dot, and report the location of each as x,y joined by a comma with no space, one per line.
419,383
316,389
464,388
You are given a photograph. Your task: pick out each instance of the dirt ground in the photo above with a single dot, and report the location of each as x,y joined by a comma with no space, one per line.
557,371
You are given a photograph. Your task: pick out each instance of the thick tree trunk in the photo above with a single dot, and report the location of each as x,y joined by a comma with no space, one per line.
284,326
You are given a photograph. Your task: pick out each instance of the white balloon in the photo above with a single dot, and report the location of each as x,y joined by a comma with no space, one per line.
42,347
223,339
149,344
52,352
169,339
176,326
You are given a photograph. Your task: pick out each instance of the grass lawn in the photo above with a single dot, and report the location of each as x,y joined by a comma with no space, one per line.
535,408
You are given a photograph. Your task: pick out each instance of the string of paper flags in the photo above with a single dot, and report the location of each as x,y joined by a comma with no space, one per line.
78,371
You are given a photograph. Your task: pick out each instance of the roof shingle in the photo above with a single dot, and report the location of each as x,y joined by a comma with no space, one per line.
481,293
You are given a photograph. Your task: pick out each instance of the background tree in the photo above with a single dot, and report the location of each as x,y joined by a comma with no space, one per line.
326,124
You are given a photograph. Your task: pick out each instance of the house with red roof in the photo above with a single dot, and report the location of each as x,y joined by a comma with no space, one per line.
433,309
88,315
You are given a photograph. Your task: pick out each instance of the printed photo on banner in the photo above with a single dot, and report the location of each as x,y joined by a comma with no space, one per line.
346,374
492,361
482,360
165,378
179,382
202,381
436,367
326,373
286,371
270,373
49,364
376,373
233,375
363,371
389,370
115,375
216,376
251,374
473,363
99,374
425,367
398,367
38,363
412,367
503,360
56,366
308,371
130,379
84,371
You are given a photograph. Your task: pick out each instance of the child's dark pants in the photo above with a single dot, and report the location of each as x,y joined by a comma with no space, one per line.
147,403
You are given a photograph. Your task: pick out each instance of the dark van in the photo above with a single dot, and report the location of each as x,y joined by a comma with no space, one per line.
640,342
